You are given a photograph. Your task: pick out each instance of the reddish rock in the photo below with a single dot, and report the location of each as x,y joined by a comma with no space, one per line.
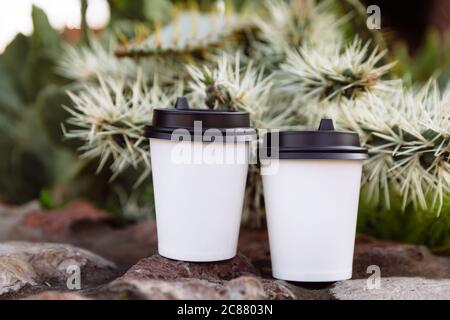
157,276
157,267
394,259
398,260
62,221
254,243
55,295
82,225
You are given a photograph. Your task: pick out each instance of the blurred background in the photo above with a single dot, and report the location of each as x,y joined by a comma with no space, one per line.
38,163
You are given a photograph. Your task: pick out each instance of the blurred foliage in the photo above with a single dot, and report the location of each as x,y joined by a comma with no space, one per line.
161,10
431,60
35,156
411,225
26,67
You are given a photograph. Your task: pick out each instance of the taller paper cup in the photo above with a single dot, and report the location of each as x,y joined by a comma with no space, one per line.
199,164
311,185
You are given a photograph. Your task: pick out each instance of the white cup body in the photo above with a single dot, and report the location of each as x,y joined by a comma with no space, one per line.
198,205
312,210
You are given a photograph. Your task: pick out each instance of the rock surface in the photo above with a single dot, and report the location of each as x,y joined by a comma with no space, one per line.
157,267
31,267
394,259
81,225
398,260
245,288
37,266
396,288
55,295
159,278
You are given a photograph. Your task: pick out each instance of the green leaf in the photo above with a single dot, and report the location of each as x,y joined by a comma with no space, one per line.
49,106
44,37
45,49
46,200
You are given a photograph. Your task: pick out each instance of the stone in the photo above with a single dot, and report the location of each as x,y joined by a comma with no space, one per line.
396,288
62,221
55,295
394,259
33,267
398,260
158,267
157,277
82,225
242,288
38,269
11,216
254,243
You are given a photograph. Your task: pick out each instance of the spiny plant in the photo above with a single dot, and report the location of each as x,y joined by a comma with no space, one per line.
110,119
293,24
188,32
191,37
350,72
408,136
85,63
230,86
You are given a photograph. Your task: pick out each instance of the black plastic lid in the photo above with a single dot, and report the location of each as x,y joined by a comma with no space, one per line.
232,125
325,143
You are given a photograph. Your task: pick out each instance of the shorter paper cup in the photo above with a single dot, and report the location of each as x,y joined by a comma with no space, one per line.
311,197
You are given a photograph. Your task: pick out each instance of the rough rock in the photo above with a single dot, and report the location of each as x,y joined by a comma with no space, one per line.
159,278
62,221
81,225
396,288
394,259
32,267
254,243
157,267
10,216
55,295
242,288
398,260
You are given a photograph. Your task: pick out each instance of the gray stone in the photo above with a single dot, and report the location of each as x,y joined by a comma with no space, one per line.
159,278
82,225
56,295
33,267
396,288
242,288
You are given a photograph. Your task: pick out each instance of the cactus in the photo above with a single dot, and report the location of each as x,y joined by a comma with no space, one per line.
110,120
408,132
293,24
341,73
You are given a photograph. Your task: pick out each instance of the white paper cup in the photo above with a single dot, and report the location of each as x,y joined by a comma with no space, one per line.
311,196
199,182
198,206
312,210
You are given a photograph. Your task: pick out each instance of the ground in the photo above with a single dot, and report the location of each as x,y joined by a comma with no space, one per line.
116,262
